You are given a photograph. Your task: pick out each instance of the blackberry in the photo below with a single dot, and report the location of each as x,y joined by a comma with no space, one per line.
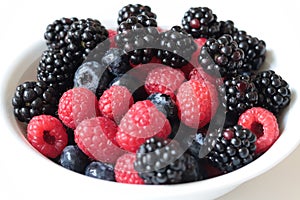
167,106
254,50
234,148
94,76
134,10
56,32
97,169
221,57
137,36
200,22
117,61
237,93
74,159
84,35
33,98
56,69
175,47
160,162
227,27
274,92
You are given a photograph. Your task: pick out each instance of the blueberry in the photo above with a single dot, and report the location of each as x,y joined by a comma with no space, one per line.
89,74
97,169
165,104
74,159
117,61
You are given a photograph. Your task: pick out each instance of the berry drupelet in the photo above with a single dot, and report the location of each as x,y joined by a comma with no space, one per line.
137,36
274,92
200,22
33,98
175,47
221,57
134,10
254,50
159,161
237,94
234,148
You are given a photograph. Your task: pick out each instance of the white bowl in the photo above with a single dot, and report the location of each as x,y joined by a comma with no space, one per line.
27,166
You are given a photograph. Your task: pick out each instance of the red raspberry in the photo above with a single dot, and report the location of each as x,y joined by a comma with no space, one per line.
197,102
263,124
142,121
111,35
199,74
124,170
47,134
76,105
96,138
115,102
164,80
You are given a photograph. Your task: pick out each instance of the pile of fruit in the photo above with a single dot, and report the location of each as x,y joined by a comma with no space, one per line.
142,105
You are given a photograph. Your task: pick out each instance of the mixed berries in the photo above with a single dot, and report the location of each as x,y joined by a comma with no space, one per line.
144,105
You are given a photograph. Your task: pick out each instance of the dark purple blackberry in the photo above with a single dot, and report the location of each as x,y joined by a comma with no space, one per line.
74,159
175,47
137,36
274,92
94,76
57,70
159,161
33,98
254,50
134,10
237,93
56,32
234,147
200,22
117,61
84,35
97,169
221,57
227,27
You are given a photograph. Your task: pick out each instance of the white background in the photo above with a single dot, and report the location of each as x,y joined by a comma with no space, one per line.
24,22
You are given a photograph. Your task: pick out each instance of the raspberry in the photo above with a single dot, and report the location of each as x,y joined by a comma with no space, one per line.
47,134
76,105
111,35
96,138
263,124
197,103
124,170
199,74
142,121
115,102
164,80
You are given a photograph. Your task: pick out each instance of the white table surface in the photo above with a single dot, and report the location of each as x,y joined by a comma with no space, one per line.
23,20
